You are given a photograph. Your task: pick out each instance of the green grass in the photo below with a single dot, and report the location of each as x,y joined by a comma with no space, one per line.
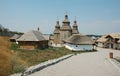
14,46
33,57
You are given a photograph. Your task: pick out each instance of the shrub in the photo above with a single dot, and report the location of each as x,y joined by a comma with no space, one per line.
16,65
14,46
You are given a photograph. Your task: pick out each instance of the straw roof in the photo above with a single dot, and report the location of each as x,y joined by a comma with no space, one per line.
46,36
113,35
32,36
15,36
102,39
79,39
119,41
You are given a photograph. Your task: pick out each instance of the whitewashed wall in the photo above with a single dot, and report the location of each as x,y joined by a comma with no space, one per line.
100,44
78,47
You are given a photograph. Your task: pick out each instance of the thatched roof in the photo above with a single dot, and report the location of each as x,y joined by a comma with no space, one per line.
118,41
32,36
115,35
46,36
104,37
15,36
79,39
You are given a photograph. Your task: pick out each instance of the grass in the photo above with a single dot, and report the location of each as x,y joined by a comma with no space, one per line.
117,58
32,57
5,55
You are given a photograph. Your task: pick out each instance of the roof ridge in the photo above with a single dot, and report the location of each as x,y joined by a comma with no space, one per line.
36,35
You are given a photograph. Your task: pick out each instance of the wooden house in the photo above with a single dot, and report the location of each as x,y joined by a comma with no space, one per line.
32,40
109,41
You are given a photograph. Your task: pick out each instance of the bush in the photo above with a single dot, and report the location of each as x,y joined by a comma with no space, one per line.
14,46
16,66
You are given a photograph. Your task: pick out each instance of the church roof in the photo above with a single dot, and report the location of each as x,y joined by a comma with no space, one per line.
66,19
57,24
66,24
75,28
57,28
75,23
65,27
79,39
56,31
75,31
32,36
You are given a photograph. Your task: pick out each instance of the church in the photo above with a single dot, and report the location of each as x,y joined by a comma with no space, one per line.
61,33
70,38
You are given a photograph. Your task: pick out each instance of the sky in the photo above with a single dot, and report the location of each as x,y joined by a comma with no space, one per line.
93,16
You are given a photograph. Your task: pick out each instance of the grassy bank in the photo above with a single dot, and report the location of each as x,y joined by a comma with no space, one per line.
32,57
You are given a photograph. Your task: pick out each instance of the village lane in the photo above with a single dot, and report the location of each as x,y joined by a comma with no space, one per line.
85,64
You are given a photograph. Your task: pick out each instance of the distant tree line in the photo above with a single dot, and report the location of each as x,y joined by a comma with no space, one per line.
97,36
6,32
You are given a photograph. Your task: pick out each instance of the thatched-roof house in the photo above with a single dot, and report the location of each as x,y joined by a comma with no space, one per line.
109,41
32,40
79,42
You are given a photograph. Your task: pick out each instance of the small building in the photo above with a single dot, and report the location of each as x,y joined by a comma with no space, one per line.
32,40
78,42
14,37
109,41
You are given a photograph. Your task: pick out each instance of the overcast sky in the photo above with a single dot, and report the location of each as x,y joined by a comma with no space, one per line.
93,16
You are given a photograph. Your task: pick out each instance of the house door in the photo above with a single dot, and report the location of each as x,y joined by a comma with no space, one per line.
110,45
